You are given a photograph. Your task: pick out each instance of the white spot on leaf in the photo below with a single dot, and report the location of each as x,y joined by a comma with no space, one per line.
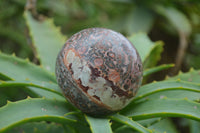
44,110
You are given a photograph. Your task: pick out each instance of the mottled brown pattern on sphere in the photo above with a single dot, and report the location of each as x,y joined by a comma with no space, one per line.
109,58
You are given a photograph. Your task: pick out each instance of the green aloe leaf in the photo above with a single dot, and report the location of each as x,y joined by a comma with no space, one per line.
139,19
47,40
164,107
127,121
124,129
52,87
148,50
149,122
17,37
20,69
191,76
99,125
164,126
37,109
176,18
142,43
40,127
156,87
179,94
150,71
4,77
194,126
154,56
193,60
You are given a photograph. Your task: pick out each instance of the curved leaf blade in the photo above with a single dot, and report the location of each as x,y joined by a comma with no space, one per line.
47,40
164,126
37,109
194,126
51,87
139,19
149,122
150,71
142,43
127,121
4,77
40,127
154,56
176,18
163,108
20,69
191,76
148,50
157,87
99,125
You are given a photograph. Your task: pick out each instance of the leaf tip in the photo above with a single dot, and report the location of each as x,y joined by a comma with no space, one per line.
163,97
28,97
180,72
48,68
27,60
9,102
172,65
191,69
13,54
185,98
2,81
154,81
167,77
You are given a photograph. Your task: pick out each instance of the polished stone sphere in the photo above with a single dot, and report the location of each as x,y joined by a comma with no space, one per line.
99,71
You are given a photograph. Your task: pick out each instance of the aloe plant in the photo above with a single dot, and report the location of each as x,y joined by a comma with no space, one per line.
46,110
